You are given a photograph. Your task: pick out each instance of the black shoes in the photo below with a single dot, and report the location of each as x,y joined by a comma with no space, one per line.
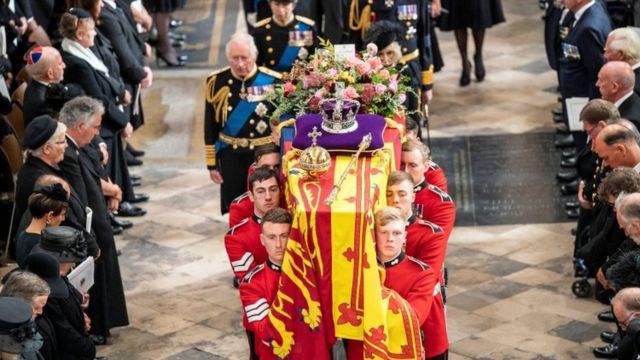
569,188
138,198
480,72
557,111
606,352
567,175
130,210
132,160
133,151
99,339
124,224
135,177
606,316
573,213
563,130
571,205
465,77
564,141
569,153
568,162
117,230
607,336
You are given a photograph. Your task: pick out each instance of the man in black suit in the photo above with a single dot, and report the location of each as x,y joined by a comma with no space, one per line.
615,82
107,309
623,44
46,67
582,52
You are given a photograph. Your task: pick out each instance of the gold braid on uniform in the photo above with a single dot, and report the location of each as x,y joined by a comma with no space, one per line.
359,20
219,100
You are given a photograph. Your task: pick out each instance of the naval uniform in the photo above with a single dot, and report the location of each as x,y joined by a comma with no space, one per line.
236,121
414,18
243,246
257,292
279,46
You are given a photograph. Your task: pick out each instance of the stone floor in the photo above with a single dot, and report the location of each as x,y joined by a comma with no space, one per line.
509,294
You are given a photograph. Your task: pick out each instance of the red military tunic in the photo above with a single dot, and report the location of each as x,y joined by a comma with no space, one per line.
257,291
240,209
427,242
243,246
435,205
435,176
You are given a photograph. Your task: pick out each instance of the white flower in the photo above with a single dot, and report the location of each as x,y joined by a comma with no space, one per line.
303,53
372,49
261,110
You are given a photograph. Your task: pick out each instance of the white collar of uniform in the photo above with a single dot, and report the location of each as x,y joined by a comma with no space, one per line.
622,99
636,65
111,3
637,168
565,11
580,12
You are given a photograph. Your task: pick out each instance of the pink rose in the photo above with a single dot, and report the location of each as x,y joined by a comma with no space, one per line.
368,93
350,92
363,68
393,85
289,88
319,94
384,74
375,62
332,74
353,61
380,89
314,104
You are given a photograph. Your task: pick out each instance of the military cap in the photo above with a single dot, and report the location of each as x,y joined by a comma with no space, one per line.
48,269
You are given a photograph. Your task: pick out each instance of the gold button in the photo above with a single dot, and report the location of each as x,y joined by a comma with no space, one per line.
268,38
373,13
229,108
408,23
230,81
268,26
407,37
252,121
296,26
404,50
252,134
270,50
230,94
272,62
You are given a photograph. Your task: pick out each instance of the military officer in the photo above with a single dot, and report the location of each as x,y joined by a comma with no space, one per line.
242,242
259,286
236,116
284,37
413,17
255,10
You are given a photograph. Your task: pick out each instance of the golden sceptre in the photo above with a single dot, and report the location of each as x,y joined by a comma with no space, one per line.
364,144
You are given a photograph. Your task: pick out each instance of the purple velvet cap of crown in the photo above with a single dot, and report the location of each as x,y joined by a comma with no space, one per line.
329,105
367,123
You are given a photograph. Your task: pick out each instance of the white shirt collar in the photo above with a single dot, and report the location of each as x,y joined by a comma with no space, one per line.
622,99
580,12
110,3
636,65
637,168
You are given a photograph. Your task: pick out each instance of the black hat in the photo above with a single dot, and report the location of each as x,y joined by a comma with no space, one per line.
39,131
58,94
48,269
54,191
383,33
18,332
80,13
64,243
284,1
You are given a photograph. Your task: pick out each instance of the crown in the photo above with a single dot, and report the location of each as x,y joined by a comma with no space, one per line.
315,160
339,115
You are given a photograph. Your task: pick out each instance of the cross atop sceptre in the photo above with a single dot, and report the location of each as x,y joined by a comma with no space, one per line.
314,136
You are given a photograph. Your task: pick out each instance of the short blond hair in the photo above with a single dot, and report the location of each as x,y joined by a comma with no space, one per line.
412,145
387,215
398,177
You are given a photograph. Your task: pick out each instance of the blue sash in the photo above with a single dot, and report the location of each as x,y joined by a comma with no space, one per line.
242,112
291,52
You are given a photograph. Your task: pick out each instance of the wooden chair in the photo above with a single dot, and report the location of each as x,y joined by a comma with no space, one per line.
15,117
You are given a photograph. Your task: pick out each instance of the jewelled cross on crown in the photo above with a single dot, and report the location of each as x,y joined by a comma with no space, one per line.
314,135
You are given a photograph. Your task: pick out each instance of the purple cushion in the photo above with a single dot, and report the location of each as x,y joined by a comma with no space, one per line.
374,124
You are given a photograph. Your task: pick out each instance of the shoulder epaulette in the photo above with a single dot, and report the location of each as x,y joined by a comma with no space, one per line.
433,165
423,265
250,274
305,20
443,194
218,71
435,228
240,198
233,229
263,22
270,72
